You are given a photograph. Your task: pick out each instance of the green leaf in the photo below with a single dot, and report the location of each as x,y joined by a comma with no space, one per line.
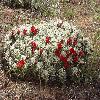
18,56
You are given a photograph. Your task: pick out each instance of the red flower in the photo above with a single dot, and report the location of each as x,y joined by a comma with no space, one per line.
75,42
66,65
57,52
69,41
33,30
75,59
81,53
62,58
72,51
47,39
34,45
59,45
24,31
20,64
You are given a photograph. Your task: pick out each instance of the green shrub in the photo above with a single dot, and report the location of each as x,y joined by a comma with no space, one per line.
51,50
68,13
13,3
43,7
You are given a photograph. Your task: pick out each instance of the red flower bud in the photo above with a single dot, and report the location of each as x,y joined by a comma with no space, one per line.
62,58
72,51
59,45
33,30
47,39
24,31
40,51
75,42
34,45
81,54
57,52
20,63
69,41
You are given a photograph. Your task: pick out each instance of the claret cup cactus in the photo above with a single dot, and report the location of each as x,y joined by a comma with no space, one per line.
48,49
